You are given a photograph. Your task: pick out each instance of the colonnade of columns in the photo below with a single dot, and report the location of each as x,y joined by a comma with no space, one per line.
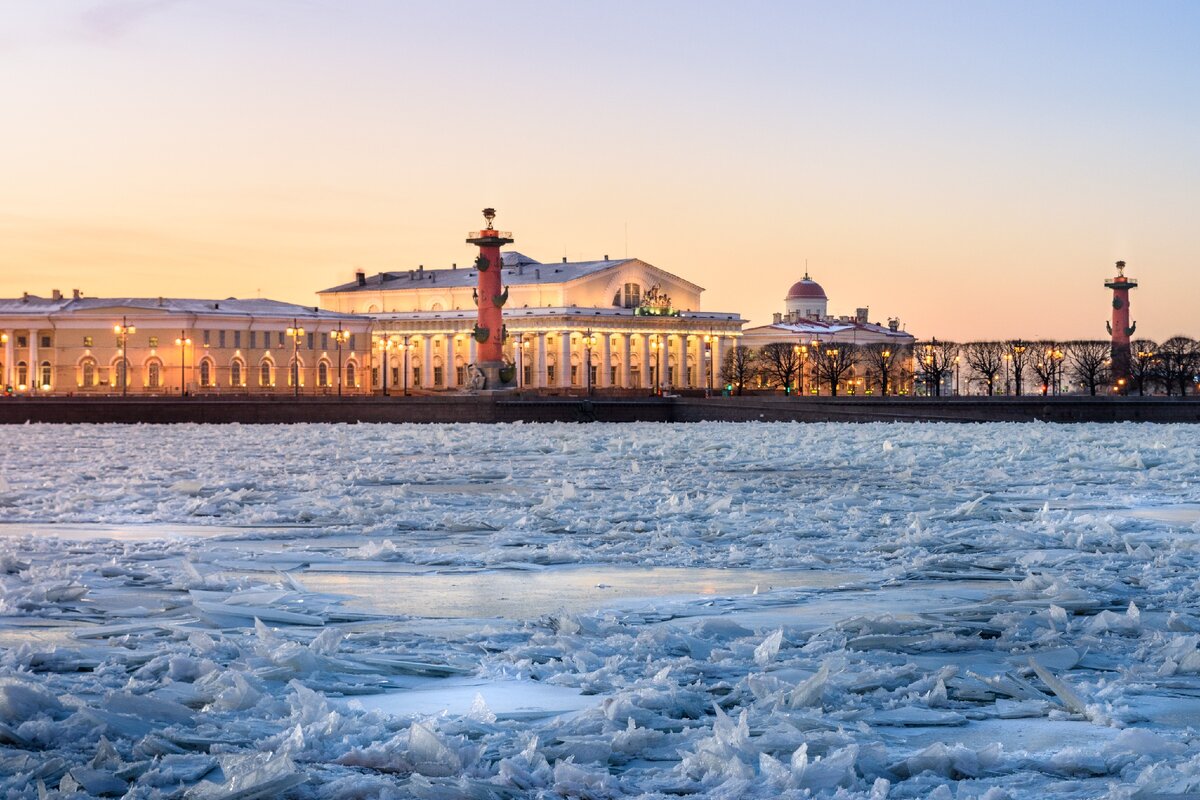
560,358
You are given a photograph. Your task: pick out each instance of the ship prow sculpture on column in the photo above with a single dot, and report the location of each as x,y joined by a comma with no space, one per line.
490,331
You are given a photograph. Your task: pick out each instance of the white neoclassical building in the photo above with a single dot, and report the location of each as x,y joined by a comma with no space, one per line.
636,325
806,319
159,346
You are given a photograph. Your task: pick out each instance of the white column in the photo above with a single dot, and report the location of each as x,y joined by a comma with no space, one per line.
626,338
605,360
702,362
35,370
719,359
448,362
8,356
539,379
564,359
471,351
427,364
647,383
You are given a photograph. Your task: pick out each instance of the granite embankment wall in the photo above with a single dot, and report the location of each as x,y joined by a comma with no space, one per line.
507,408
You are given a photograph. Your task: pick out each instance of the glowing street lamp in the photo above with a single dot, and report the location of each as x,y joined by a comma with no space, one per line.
339,336
122,331
295,332
655,350
589,341
183,340
384,345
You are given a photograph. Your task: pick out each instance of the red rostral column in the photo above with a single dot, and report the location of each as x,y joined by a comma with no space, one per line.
1120,327
491,296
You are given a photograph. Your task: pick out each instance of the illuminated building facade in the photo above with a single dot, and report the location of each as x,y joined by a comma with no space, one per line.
611,323
168,346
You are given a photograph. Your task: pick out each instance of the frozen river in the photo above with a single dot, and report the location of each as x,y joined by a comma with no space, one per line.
709,610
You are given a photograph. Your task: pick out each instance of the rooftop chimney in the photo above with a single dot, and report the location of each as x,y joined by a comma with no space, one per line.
361,277
76,293
606,256
564,259
454,265
778,317
55,294
861,315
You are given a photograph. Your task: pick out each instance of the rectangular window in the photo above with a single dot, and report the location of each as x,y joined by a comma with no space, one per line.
416,376
220,338
574,375
550,374
528,375
281,335
87,341
352,341
207,338
22,341
612,376
324,341
253,340
237,338
154,341
460,376
45,341
310,340
437,376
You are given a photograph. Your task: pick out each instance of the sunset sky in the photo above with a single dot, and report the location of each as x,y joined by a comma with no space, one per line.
972,168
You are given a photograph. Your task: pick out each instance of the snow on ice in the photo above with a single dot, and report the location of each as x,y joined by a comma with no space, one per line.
600,611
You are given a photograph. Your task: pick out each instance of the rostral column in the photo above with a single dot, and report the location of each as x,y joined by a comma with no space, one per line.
491,296
1120,327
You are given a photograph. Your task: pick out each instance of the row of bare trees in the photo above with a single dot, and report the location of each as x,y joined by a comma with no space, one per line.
996,367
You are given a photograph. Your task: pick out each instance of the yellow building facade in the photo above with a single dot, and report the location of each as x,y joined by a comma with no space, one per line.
169,346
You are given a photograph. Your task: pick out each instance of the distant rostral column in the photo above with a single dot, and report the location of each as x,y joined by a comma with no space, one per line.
1121,328
490,298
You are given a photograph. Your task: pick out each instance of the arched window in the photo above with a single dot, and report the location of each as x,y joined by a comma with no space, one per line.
46,375
154,375
88,373
206,373
323,374
22,373
120,374
351,375
264,373
633,295
235,373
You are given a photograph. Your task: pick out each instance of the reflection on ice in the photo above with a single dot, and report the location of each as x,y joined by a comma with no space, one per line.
528,594
502,699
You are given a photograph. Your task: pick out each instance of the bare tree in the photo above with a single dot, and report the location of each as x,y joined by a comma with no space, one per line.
1180,360
831,362
884,362
1143,363
739,367
986,359
779,364
1019,356
933,361
1046,364
1089,361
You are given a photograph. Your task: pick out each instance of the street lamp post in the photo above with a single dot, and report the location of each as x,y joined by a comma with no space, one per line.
404,346
589,341
339,336
887,365
709,341
183,341
654,350
123,330
957,382
295,332
518,357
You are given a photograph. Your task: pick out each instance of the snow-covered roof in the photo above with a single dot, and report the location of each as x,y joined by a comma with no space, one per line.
829,326
231,306
519,270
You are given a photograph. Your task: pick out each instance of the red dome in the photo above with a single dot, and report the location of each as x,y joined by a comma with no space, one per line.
806,289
